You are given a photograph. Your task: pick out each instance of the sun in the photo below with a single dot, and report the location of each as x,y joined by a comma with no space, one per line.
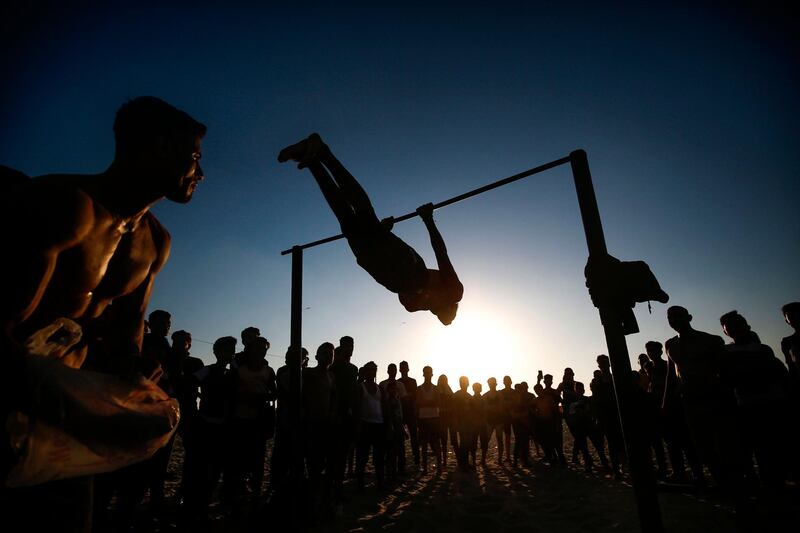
478,345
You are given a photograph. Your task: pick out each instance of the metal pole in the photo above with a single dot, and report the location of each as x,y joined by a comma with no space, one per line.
643,477
295,376
453,200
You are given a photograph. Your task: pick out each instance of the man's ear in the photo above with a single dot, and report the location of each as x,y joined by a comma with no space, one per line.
162,146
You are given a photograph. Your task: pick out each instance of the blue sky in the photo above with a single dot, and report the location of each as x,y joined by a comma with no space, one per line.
688,115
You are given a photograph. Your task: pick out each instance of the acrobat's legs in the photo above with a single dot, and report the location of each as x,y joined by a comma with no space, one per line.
356,195
335,197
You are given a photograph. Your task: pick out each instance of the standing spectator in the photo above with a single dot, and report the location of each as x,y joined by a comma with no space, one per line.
480,430
462,425
250,426
428,416
759,383
495,415
409,402
216,397
319,410
371,434
446,429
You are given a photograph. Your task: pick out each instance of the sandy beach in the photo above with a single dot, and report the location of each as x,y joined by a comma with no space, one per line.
497,498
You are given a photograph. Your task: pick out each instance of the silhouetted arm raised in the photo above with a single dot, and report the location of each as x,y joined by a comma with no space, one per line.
437,242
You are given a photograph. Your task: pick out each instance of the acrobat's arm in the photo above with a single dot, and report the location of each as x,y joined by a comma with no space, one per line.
437,242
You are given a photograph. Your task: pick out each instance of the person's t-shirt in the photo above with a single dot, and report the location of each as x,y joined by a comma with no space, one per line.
253,390
428,401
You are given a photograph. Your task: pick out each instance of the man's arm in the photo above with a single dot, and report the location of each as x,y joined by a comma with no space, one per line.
437,242
40,223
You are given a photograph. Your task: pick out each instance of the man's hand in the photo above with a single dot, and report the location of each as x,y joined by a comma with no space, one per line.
388,223
425,212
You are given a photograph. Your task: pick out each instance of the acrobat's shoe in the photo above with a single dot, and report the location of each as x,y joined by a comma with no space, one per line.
303,152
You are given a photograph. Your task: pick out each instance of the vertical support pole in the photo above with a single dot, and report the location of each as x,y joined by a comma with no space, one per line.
295,376
643,477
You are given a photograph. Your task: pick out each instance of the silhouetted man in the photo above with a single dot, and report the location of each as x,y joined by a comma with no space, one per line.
602,387
428,402
248,335
462,423
79,243
509,397
392,262
480,427
790,345
673,420
759,383
409,403
319,410
707,403
495,417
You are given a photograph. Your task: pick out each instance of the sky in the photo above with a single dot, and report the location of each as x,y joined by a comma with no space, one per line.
688,113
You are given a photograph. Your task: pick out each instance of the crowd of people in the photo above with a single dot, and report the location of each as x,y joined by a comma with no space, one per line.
720,409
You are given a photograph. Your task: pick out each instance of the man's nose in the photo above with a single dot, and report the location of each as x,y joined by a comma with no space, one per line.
198,173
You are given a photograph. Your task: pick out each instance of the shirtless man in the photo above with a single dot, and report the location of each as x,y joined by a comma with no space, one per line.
392,262
708,403
79,243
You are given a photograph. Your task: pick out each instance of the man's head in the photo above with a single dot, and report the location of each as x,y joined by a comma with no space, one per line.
507,381
477,388
791,314
392,370
679,318
603,363
569,374
249,334
427,373
654,350
346,347
257,349
370,370
580,389
463,382
162,144
160,322
492,383
644,360
224,349
548,380
325,354
446,313
404,368
181,341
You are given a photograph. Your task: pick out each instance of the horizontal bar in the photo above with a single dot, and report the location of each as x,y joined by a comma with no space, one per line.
453,200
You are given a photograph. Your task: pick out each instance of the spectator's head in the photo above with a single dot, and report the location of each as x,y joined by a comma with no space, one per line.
654,350
404,368
679,319
427,372
492,383
477,388
463,382
181,341
644,360
736,327
160,322
224,349
249,334
580,389
161,144
507,381
325,354
548,380
791,314
346,344
569,374
370,371
538,389
392,370
257,349
442,381
603,363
